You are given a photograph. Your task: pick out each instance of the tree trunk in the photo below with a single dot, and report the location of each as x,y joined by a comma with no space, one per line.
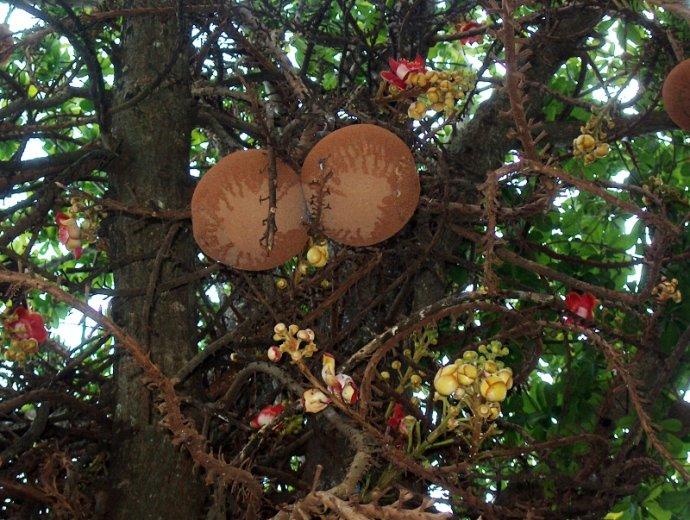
151,479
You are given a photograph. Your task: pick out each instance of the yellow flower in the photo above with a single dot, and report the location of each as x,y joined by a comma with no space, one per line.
281,283
493,388
416,380
395,365
506,375
584,143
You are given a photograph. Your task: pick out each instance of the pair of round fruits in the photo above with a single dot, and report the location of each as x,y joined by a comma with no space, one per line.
359,184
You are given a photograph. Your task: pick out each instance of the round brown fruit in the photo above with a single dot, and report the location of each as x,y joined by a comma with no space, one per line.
361,182
676,93
230,206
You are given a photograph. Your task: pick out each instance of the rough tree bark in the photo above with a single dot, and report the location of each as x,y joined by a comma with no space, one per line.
152,480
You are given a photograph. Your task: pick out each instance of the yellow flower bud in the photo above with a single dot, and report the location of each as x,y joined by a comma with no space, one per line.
317,256
584,143
466,374
602,150
459,393
446,381
385,375
416,380
490,366
469,355
281,283
395,365
280,328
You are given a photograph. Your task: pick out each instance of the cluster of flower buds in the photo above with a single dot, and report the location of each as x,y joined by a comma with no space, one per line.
437,90
667,290
412,377
69,233
668,193
298,343
23,332
477,380
590,144
74,235
441,91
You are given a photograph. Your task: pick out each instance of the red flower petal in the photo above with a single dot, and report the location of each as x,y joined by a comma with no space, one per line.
398,415
395,80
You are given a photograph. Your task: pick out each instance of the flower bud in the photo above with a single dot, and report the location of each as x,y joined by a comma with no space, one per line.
446,381
314,400
493,388
466,374
280,328
274,354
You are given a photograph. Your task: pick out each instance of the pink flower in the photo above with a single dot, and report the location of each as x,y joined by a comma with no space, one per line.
468,26
24,324
69,233
581,305
400,70
267,415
